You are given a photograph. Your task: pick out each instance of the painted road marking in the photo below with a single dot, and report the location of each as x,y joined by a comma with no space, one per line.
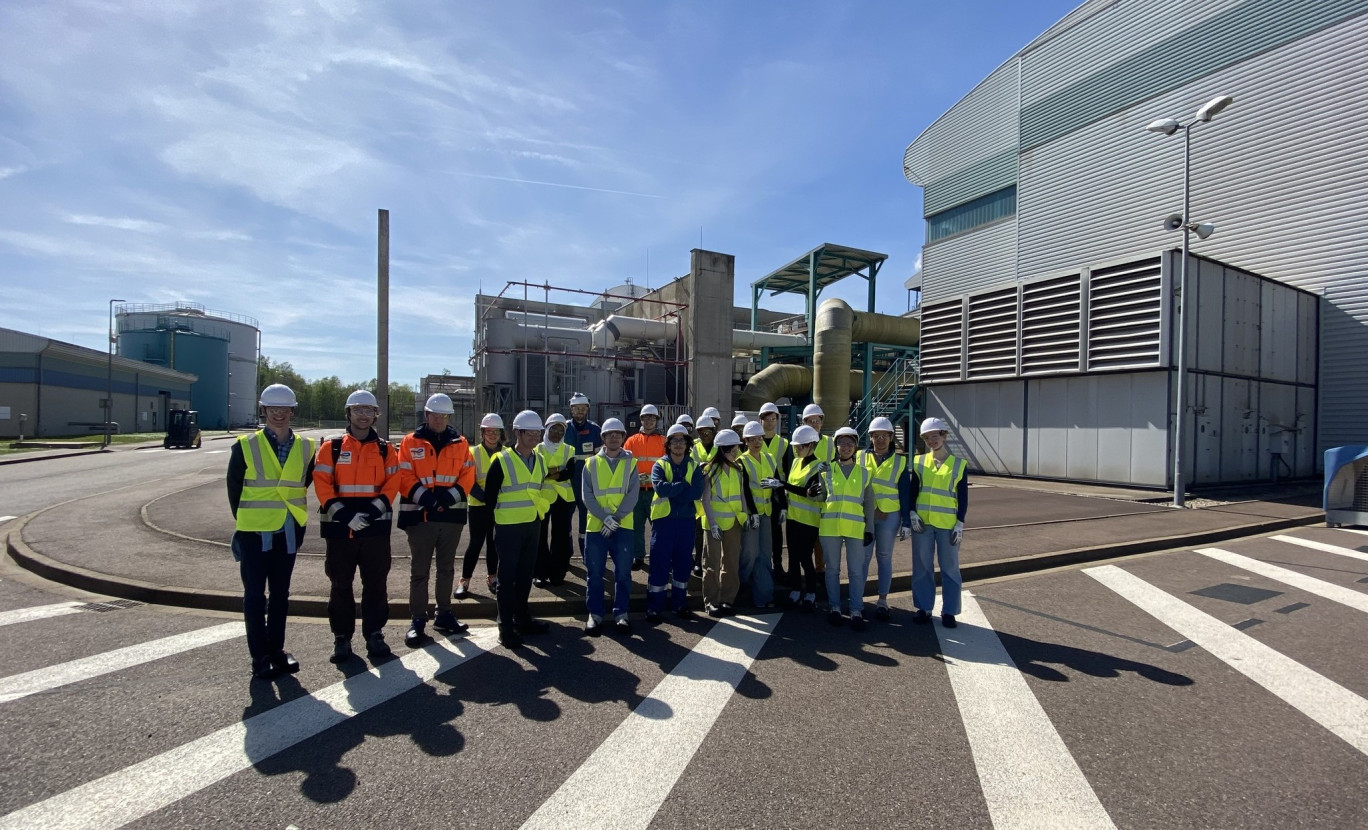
145,787
1323,547
1345,529
214,452
39,612
5,518
41,680
1309,584
1314,695
661,735
1029,777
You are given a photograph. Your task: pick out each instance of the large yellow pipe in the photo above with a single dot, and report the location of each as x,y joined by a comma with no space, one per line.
786,380
838,326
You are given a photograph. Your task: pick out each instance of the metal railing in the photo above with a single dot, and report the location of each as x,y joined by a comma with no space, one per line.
891,394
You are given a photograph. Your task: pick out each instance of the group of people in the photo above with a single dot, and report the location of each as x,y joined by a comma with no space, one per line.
720,503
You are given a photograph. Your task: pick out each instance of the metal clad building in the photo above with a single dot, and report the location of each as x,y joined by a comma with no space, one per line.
1081,187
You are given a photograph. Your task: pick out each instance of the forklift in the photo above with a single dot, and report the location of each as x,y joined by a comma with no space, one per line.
182,429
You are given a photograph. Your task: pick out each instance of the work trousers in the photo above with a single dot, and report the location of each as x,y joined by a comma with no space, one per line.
640,515
776,544
553,552
857,572
721,560
597,549
517,544
671,562
481,538
934,542
802,543
885,534
699,534
264,570
754,567
343,557
427,540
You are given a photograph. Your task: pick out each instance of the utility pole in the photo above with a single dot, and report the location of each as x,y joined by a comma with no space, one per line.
382,326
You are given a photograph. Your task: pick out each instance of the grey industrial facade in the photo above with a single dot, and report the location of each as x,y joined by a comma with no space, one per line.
1049,280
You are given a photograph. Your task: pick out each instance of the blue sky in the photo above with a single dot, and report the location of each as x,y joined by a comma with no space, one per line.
234,154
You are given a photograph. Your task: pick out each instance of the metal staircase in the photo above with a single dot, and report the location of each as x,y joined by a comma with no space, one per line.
892,394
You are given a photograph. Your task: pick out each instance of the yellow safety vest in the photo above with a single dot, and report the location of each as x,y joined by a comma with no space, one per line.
802,509
520,496
611,487
843,514
660,507
758,468
884,479
269,491
701,457
825,450
555,462
776,446
728,503
937,504
483,458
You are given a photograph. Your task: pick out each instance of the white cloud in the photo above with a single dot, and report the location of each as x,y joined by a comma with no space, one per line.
117,222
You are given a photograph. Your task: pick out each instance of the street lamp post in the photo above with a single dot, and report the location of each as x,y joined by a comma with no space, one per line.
1169,126
109,378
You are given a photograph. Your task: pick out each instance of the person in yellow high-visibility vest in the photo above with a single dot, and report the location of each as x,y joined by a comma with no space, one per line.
514,488
269,473
553,554
847,523
481,515
892,504
940,486
610,490
823,453
778,447
767,492
803,486
702,452
677,487
727,507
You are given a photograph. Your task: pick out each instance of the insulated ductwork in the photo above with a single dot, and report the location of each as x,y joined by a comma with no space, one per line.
836,327
786,380
607,333
747,340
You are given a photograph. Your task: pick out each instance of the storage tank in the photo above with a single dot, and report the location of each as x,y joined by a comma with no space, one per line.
200,353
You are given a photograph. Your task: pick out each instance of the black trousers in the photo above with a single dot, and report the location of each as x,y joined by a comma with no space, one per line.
777,546
802,571
342,559
553,555
480,526
265,569
517,545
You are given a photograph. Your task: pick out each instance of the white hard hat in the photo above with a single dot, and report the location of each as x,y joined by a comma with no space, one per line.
813,409
361,398
649,409
278,394
491,421
881,424
934,425
711,412
684,419
706,422
579,398
677,429
612,425
439,403
727,438
753,430
527,419
769,409
805,435
844,431
554,418
739,420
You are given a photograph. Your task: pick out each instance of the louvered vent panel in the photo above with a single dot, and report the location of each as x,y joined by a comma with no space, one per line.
1124,308
993,334
1050,313
942,336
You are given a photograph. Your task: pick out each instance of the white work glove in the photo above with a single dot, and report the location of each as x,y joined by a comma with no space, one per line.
771,484
606,531
957,535
716,532
783,515
358,523
611,524
644,478
917,526
902,533
755,521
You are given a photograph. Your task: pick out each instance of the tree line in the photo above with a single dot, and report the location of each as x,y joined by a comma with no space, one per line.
326,398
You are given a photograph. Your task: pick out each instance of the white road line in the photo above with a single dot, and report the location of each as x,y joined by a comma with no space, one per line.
1028,776
661,735
1323,547
5,518
39,612
214,452
41,680
1344,529
1309,584
148,786
1314,695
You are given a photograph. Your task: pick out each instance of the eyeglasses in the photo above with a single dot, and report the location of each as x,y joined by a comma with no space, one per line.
278,410
366,410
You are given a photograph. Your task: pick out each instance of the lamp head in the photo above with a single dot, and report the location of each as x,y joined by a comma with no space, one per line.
1167,126
1215,105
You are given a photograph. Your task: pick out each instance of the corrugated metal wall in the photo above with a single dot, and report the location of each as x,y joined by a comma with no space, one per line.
970,261
979,127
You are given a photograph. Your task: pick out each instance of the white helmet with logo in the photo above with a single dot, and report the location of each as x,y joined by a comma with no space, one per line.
769,409
727,438
649,409
278,394
805,435
361,398
881,424
753,430
491,421
612,425
813,409
527,419
440,404
579,398
934,425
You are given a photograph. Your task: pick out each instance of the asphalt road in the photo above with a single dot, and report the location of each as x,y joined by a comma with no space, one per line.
1186,689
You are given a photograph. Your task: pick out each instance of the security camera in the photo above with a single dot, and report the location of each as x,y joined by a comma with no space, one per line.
1173,222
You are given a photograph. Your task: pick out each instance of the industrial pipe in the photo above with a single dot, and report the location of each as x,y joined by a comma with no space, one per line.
788,380
836,327
606,333
748,340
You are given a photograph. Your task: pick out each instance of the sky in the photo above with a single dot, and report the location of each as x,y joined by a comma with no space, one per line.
235,154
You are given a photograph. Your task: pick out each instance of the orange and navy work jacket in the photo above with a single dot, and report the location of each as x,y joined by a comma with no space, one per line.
427,465
357,475
647,450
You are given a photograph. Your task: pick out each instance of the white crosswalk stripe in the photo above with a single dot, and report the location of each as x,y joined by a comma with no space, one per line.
1341,529
1309,584
52,677
1314,695
5,518
1029,777
39,612
1322,547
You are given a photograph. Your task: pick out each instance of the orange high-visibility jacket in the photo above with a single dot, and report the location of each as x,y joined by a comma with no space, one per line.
422,468
353,474
647,450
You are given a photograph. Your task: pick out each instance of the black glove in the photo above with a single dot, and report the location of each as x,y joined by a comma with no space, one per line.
563,475
428,501
343,515
869,538
375,511
445,496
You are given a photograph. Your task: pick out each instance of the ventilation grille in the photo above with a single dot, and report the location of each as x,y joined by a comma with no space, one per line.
942,335
1124,313
993,334
110,605
1361,490
1050,311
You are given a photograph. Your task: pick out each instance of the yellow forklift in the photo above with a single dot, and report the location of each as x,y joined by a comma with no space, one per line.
182,429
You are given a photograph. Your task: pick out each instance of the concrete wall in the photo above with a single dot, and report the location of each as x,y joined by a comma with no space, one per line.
708,329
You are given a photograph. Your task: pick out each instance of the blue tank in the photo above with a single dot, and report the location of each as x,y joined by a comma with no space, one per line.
198,353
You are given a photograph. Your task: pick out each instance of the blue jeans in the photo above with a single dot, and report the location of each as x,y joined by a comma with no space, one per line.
755,562
885,533
263,571
935,542
857,571
597,549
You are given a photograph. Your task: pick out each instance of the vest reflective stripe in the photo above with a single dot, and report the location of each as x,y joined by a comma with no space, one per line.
660,508
701,457
728,502
758,468
937,504
610,488
520,497
270,491
555,462
802,509
483,458
825,450
843,512
884,479
776,446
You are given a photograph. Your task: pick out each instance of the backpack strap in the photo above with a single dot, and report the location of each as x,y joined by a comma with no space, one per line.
337,448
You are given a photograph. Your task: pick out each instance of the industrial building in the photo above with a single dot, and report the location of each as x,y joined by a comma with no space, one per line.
53,389
219,347
1052,279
